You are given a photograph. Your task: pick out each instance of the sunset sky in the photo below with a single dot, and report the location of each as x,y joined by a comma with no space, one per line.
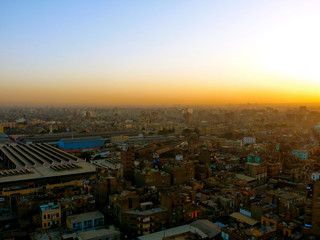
159,52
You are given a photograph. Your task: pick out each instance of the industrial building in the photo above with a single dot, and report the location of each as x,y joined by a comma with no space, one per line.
33,155
79,144
35,165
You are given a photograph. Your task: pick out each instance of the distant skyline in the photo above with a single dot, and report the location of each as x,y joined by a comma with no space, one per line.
159,52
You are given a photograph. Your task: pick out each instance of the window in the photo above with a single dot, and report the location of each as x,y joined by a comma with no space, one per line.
44,225
57,214
44,216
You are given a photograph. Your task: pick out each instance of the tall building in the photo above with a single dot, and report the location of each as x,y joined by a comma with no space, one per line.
88,114
190,113
127,161
312,208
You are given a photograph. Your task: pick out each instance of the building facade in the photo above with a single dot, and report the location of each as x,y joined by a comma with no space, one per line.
85,221
50,216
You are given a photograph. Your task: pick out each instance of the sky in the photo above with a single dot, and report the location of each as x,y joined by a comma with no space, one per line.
164,52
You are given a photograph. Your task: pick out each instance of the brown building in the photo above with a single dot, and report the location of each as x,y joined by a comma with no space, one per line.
289,204
257,170
180,171
205,157
272,221
104,186
260,208
123,202
181,208
202,172
145,220
235,233
153,177
127,161
75,205
312,208
273,169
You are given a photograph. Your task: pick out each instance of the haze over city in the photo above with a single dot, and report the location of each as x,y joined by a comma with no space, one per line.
159,52
159,120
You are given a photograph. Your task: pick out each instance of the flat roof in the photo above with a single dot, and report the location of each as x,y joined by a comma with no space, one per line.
245,177
209,228
97,233
49,206
254,164
146,203
146,212
243,218
85,216
80,139
172,232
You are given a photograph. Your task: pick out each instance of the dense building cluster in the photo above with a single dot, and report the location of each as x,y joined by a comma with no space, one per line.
240,172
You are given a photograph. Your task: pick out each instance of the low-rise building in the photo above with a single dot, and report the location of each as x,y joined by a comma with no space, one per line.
85,221
153,177
144,221
50,215
257,170
99,234
249,140
300,154
273,169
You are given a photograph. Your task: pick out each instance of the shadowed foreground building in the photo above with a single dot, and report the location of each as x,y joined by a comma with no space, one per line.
200,229
312,208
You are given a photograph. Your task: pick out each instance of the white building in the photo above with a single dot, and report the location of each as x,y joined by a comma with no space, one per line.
315,176
249,140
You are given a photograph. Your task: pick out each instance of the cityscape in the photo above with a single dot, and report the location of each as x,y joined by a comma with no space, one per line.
159,120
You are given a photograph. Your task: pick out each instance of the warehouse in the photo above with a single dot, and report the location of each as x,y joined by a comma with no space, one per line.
80,144
35,165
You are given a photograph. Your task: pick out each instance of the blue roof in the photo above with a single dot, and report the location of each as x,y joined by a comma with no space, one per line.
48,206
220,224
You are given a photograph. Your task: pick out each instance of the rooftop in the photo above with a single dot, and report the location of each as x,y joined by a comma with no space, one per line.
80,139
97,233
35,155
36,173
243,218
146,212
49,206
85,216
207,227
245,178
172,232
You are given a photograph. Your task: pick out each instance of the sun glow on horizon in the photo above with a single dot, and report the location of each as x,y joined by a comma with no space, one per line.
159,53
